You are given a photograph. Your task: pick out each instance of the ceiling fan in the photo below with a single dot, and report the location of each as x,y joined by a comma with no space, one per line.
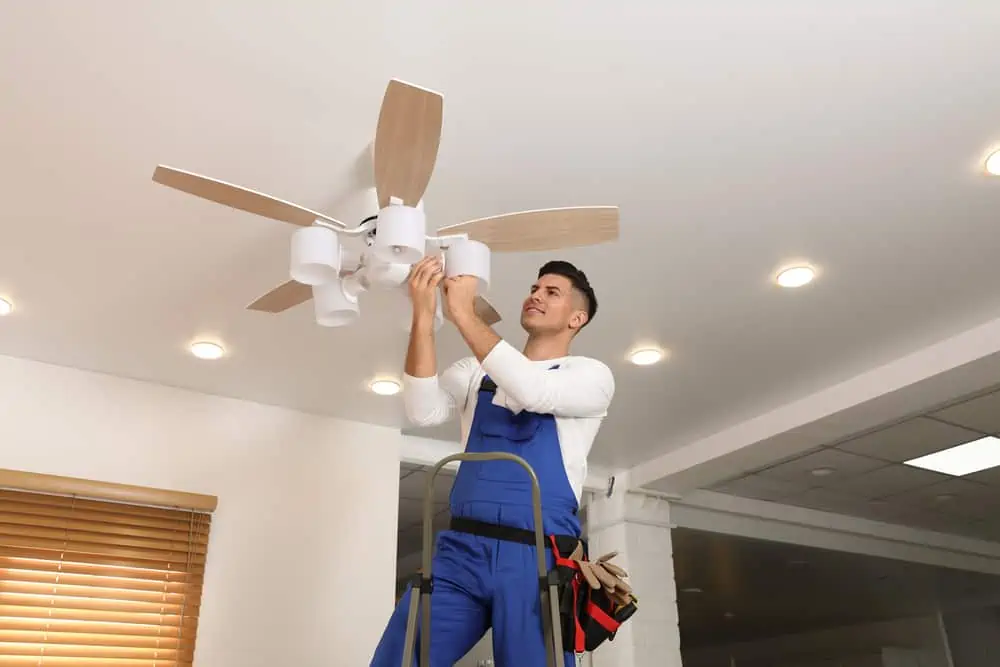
395,237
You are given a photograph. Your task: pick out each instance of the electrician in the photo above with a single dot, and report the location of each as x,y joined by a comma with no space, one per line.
542,404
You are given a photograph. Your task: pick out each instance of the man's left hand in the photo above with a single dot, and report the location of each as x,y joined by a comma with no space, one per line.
460,296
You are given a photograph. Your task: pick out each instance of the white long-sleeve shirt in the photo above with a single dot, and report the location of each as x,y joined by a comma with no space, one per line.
577,394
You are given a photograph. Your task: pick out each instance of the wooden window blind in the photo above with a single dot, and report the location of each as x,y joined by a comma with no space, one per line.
87,581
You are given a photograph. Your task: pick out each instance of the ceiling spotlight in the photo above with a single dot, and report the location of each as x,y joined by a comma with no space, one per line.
6,307
822,472
694,590
646,356
993,163
206,350
796,276
384,387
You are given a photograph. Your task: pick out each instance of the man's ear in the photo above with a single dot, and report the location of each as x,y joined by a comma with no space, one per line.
578,319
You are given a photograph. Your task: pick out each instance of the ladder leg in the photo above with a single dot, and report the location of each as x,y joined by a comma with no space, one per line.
411,625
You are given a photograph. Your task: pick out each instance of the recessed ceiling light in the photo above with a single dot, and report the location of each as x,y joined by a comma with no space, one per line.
822,472
993,163
962,459
646,356
694,590
6,307
944,497
384,387
796,276
204,349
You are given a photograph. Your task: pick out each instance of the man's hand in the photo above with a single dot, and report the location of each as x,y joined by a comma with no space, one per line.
460,297
425,276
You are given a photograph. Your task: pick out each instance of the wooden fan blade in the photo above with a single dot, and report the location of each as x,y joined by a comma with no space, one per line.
406,142
486,312
238,197
282,298
546,229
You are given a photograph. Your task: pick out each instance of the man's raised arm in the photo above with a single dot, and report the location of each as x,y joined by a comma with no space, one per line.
427,400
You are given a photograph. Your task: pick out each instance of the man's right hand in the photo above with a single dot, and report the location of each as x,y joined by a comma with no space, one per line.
425,276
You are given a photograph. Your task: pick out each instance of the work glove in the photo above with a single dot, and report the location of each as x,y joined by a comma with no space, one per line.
602,573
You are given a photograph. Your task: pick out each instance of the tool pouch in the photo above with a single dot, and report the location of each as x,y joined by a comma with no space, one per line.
589,616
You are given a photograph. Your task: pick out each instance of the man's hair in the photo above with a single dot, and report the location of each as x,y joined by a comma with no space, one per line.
577,278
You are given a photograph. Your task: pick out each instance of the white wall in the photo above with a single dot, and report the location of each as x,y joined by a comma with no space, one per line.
302,555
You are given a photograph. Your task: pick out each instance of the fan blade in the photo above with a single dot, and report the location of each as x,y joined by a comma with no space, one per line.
238,197
406,142
282,298
486,312
546,229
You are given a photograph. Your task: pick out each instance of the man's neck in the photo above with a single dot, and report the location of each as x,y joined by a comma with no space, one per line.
545,347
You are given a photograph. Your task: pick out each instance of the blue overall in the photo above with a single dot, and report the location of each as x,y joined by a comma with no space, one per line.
479,582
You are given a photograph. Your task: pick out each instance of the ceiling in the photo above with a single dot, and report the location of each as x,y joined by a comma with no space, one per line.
735,138
868,478
773,588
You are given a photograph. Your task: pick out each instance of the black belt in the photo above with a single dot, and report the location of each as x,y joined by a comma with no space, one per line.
493,531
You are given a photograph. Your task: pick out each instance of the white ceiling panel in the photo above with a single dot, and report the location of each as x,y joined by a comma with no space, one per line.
982,414
889,480
761,488
989,476
908,440
953,498
840,465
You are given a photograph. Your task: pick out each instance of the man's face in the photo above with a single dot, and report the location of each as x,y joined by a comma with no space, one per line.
552,306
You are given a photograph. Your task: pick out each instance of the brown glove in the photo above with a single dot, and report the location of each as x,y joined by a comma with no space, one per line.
602,573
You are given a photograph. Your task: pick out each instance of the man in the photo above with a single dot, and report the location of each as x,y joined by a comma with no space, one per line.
541,404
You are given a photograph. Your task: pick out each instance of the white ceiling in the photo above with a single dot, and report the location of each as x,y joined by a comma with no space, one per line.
870,481
734,138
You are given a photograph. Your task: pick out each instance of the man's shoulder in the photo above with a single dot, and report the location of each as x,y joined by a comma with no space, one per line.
595,369
586,363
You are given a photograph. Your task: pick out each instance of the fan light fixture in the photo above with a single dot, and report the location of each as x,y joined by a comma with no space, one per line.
394,235
993,163
315,255
336,303
796,276
6,307
646,356
207,350
963,459
385,387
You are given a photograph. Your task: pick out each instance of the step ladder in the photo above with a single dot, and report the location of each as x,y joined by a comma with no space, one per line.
422,587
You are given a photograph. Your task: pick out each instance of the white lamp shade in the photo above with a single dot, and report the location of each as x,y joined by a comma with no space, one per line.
315,255
335,306
467,257
400,234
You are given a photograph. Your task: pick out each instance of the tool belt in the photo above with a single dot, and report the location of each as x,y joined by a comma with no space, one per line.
593,599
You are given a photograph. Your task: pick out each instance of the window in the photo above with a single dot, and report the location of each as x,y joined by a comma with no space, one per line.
99,574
